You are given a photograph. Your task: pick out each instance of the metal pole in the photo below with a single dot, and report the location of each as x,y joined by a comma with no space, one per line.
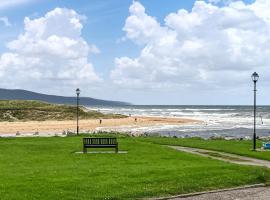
254,134
77,114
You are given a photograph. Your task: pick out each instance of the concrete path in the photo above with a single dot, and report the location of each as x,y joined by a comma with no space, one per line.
261,193
258,193
255,192
227,157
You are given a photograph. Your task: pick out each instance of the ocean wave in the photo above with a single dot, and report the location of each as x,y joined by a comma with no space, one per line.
209,109
218,120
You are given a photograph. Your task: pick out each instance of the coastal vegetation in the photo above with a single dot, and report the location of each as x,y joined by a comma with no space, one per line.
27,110
50,168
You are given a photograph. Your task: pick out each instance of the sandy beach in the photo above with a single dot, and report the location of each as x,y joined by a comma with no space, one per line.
57,127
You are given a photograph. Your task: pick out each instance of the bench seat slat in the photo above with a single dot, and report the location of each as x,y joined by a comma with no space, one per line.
98,146
100,143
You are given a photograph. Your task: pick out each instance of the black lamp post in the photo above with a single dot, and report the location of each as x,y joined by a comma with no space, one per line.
255,78
78,93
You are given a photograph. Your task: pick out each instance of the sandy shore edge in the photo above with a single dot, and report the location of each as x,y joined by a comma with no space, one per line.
91,125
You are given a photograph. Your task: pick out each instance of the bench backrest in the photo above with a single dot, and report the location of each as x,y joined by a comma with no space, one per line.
100,141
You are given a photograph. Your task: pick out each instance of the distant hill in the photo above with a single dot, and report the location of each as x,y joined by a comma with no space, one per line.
6,94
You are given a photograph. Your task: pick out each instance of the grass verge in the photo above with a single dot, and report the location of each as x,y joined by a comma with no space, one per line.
48,168
239,147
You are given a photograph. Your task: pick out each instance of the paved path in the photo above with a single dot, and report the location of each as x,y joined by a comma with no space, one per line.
261,193
227,157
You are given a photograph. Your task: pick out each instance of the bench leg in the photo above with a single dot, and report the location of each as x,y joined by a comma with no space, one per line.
116,149
84,150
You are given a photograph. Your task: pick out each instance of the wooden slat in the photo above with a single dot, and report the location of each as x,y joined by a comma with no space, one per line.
100,141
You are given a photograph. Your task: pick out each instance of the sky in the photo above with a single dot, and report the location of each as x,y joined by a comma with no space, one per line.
199,52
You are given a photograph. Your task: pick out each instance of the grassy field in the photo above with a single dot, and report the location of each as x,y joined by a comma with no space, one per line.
232,146
19,110
48,168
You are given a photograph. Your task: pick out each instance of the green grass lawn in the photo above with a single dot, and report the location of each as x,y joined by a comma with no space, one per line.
48,168
232,146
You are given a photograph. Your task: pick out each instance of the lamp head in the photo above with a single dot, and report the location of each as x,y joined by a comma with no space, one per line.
78,91
255,77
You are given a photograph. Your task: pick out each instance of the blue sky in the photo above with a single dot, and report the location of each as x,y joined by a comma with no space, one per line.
129,65
106,18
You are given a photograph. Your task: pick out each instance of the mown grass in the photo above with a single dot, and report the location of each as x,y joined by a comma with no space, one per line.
240,147
20,110
48,168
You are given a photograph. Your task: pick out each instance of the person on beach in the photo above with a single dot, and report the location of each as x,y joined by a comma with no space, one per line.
100,121
136,120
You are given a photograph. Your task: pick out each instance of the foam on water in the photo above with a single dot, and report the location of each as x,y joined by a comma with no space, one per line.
233,121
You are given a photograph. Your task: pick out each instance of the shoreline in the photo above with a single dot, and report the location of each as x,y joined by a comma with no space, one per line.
52,128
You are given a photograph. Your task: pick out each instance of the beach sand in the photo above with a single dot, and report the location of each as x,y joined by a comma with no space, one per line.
57,127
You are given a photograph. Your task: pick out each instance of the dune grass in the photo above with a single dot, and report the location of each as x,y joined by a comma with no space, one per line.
48,168
240,147
22,110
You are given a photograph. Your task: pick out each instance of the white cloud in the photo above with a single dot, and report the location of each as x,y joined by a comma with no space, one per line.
5,21
11,3
225,2
210,46
216,1
50,53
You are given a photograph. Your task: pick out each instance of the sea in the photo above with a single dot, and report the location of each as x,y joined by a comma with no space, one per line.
218,121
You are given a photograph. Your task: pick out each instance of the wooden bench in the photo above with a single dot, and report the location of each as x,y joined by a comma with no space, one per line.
100,143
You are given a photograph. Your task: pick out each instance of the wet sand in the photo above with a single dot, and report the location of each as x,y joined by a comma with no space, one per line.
57,127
